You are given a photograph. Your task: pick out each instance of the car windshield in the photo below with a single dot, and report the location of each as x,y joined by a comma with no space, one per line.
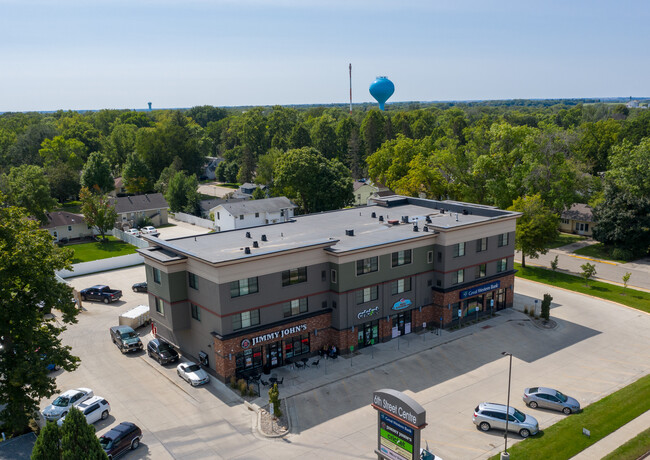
106,443
61,401
561,396
129,335
192,368
519,416
164,346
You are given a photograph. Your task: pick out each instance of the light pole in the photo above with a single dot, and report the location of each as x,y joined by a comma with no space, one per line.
505,455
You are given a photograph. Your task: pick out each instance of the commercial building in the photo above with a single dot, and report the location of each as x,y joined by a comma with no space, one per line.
251,299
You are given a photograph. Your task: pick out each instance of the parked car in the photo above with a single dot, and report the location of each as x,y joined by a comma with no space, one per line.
149,230
192,373
162,351
490,415
120,439
102,293
133,232
126,338
94,409
61,405
140,287
549,398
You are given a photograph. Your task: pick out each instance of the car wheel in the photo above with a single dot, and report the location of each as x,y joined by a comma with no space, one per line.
567,410
135,290
104,415
149,353
524,433
532,405
484,426
135,443
123,350
83,297
160,360
106,300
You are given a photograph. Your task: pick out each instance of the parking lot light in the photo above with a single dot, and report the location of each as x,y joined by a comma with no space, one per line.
505,455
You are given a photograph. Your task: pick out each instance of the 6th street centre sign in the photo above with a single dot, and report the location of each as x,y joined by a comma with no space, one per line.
399,421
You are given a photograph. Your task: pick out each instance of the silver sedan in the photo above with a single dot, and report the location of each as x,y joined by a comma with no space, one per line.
192,373
549,398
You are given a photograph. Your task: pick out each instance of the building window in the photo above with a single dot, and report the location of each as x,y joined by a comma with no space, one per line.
241,217
401,258
296,346
481,245
281,212
218,216
503,239
438,282
399,286
565,221
368,265
439,256
430,257
257,214
323,275
249,359
459,277
295,307
69,228
193,281
481,270
333,276
459,250
367,294
294,276
245,319
160,306
156,275
502,265
243,287
196,311
582,227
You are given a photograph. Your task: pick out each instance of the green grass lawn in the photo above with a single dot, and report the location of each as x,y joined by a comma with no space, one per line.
597,251
70,206
630,297
98,250
565,439
632,449
565,238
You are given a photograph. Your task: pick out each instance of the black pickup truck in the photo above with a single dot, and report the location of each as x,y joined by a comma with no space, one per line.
101,293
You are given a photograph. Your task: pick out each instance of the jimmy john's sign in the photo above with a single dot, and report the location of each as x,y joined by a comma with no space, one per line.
399,421
276,335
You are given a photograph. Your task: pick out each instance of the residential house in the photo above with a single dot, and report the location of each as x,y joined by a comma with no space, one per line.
207,205
363,190
130,209
251,213
119,189
65,226
248,188
578,219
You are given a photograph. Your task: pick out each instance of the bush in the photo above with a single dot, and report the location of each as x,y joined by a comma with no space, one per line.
622,254
251,390
233,383
274,398
546,306
526,311
143,221
243,387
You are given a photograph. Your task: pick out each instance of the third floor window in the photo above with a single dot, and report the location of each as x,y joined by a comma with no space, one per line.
371,264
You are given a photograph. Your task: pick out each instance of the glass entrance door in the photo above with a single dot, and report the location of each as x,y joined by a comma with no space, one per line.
368,334
274,355
401,324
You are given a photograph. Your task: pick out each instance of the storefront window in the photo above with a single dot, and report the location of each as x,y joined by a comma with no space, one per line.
249,359
296,346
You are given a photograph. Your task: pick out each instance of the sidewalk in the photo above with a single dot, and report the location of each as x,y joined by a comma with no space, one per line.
617,438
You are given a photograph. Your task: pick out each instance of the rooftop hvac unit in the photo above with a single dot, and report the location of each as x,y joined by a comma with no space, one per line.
247,250
256,244
349,232
263,237
373,215
248,234
381,218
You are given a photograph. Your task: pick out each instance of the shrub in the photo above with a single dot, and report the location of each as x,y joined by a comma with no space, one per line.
526,311
243,386
233,383
622,254
251,390
274,398
554,263
546,306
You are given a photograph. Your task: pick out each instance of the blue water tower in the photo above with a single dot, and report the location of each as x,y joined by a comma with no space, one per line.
381,89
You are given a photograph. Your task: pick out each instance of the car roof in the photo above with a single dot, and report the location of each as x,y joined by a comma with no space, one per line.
97,286
187,363
123,427
122,328
91,401
547,390
495,406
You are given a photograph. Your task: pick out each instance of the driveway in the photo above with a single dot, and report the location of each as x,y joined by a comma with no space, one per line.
180,229
597,348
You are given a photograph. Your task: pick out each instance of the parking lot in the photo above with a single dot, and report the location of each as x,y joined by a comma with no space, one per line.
597,348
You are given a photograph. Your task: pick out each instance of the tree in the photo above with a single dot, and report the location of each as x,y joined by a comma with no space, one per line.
167,174
96,175
626,279
47,445
536,228
61,150
25,150
136,175
546,306
182,194
98,211
78,439
299,137
323,136
121,143
316,183
554,263
27,187
588,272
274,398
265,165
373,130
630,168
205,114
258,194
64,182
28,261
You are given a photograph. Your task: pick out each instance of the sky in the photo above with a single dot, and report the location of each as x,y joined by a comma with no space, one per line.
95,54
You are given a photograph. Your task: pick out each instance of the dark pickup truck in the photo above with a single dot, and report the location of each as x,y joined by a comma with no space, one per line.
101,293
125,338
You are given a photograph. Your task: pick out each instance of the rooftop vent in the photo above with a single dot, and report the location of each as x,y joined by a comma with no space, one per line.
465,212
349,232
247,250
373,215
456,217
442,211
256,244
248,234
428,219
415,228
381,218
425,229
405,219
263,237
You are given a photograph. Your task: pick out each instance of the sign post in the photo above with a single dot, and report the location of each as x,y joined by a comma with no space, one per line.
399,422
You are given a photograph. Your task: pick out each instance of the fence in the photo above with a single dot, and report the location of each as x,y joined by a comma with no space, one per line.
133,240
95,266
190,219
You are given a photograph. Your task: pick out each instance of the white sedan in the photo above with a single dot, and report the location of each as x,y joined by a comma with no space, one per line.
148,230
61,405
192,373
94,409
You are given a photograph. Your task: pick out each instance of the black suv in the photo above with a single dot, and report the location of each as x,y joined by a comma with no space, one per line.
120,439
162,351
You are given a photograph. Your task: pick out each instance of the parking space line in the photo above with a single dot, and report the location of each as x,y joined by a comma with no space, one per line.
609,382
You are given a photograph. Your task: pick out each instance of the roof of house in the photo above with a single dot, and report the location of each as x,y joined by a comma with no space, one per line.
206,205
579,211
264,205
139,203
62,218
118,182
358,184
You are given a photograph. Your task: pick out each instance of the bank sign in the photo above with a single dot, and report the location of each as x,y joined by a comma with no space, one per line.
273,335
479,290
399,421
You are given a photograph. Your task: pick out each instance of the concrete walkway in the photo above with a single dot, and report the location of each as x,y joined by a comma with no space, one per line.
617,438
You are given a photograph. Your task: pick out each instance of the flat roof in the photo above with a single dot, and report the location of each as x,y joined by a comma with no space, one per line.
331,230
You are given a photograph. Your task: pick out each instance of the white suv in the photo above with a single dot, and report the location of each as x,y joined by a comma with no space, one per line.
61,405
94,409
490,415
148,230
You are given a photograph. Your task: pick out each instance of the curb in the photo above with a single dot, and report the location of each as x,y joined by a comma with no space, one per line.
259,411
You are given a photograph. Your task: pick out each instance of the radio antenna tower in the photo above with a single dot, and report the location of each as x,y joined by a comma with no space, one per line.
350,87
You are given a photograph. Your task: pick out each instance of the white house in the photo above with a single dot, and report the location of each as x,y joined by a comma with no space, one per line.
64,226
251,213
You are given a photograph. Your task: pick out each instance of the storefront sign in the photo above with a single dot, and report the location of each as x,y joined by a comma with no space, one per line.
480,289
245,343
277,334
399,422
368,312
401,304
